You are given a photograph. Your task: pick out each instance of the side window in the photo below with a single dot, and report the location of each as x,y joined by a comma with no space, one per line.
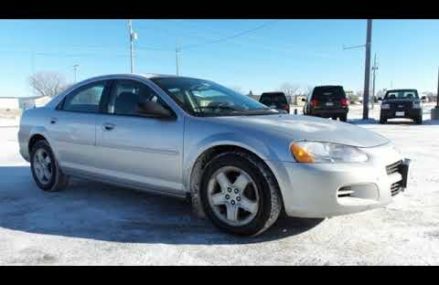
128,96
85,100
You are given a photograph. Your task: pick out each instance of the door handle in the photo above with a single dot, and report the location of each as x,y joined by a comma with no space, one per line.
53,121
109,126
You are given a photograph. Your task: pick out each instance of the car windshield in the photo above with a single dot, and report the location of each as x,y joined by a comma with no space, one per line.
324,94
205,98
401,94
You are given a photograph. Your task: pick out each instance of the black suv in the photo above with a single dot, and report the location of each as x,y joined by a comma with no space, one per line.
275,100
401,103
327,101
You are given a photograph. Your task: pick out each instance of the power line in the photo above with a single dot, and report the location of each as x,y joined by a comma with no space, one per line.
228,37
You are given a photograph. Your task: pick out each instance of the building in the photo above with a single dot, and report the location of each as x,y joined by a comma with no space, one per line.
15,105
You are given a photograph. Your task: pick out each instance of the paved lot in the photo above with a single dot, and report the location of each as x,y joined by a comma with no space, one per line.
92,223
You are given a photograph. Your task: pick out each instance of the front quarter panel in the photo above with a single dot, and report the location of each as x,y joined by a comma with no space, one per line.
202,134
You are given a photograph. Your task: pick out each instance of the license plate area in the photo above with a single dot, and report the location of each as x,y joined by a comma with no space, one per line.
329,104
400,114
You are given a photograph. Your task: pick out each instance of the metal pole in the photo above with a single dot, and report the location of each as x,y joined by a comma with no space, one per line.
374,69
75,68
130,29
177,61
437,95
367,71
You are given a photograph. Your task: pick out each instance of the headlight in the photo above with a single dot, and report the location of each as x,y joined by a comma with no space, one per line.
320,152
385,106
416,105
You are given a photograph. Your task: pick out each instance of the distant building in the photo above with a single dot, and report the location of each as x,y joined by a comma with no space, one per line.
14,105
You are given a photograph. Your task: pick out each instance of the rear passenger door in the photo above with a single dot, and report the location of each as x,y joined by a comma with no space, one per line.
72,127
137,150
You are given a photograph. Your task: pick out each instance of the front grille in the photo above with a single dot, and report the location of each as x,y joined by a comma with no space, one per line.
404,105
392,168
395,188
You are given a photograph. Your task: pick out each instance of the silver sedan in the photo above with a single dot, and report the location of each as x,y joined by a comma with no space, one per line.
241,163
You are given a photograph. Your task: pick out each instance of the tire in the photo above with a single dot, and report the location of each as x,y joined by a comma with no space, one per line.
334,117
261,191
383,120
52,179
418,120
343,117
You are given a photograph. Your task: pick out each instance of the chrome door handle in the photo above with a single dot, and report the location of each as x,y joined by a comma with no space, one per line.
109,126
53,121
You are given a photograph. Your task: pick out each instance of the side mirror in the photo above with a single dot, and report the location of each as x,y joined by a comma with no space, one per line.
380,98
154,110
423,97
303,100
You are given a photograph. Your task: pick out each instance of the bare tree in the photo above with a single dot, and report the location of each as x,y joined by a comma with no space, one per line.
47,83
289,90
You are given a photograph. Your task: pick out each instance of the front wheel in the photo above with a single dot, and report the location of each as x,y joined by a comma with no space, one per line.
239,194
383,120
418,120
45,170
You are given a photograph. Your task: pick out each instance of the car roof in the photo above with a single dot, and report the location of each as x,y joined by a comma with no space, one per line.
397,90
320,86
135,75
273,93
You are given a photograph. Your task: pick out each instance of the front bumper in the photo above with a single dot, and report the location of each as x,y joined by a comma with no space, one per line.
329,112
325,190
408,113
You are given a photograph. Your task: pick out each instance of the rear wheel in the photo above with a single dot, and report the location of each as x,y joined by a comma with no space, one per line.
383,120
343,117
418,120
45,170
239,194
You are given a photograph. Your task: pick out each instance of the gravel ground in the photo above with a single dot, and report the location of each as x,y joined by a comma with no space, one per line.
93,223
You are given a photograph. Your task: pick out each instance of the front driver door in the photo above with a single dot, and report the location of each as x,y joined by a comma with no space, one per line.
141,151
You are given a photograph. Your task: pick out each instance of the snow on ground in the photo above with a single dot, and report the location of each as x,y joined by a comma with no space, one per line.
93,223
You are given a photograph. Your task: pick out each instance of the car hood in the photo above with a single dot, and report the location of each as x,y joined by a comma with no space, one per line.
297,127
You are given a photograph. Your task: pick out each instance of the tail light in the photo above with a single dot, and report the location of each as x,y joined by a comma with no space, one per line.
314,102
285,107
344,102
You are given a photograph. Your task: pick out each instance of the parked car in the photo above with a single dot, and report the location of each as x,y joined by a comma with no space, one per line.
401,103
240,162
328,102
275,100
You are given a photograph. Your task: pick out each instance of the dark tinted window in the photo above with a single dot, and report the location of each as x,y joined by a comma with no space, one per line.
277,99
85,99
127,97
401,94
325,93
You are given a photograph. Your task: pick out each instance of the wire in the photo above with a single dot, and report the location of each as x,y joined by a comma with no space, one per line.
228,37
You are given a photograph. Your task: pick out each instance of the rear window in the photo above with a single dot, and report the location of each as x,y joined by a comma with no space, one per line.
401,94
328,93
277,99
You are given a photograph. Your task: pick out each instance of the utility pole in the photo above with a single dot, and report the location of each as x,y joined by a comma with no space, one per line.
367,71
437,94
75,69
133,37
177,60
374,69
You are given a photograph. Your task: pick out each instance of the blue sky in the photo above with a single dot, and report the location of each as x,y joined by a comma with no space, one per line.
303,52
